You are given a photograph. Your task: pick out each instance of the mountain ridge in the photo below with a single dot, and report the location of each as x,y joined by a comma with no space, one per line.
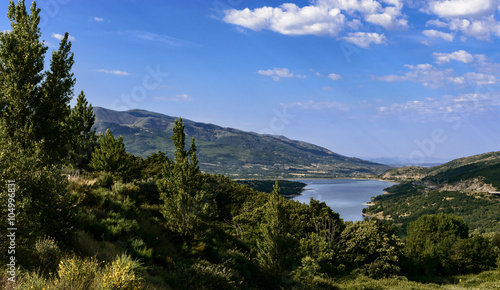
232,152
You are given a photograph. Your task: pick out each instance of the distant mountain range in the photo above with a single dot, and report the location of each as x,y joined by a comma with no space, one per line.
232,152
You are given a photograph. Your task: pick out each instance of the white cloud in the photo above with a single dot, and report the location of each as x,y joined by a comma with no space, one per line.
436,23
478,28
434,78
365,39
472,18
114,72
461,8
321,17
481,79
98,19
277,73
334,77
460,55
439,108
317,105
176,98
391,16
438,34
60,36
289,19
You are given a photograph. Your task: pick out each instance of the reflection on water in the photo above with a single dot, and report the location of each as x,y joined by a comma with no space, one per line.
348,197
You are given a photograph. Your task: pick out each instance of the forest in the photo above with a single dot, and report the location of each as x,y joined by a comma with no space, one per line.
79,212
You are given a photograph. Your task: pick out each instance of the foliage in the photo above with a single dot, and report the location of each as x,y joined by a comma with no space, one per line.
110,154
186,204
371,248
82,134
430,241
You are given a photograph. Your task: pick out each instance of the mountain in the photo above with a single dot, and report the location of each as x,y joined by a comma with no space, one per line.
232,152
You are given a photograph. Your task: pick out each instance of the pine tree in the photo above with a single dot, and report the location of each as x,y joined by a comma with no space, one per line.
82,136
33,110
21,73
110,155
186,205
34,104
275,244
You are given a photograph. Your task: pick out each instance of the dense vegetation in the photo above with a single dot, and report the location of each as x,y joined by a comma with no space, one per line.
89,215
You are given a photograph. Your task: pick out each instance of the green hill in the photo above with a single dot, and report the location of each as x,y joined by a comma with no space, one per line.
462,187
232,152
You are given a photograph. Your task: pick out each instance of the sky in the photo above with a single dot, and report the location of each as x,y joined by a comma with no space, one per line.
417,81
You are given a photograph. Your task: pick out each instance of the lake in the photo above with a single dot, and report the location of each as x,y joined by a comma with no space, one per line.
348,197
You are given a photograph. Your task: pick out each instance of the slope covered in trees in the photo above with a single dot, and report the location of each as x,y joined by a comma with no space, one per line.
86,214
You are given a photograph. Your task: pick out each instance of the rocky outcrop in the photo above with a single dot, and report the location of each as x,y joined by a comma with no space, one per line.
469,185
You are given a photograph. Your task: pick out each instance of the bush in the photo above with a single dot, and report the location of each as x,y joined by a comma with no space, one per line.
139,249
105,179
204,275
48,255
123,273
75,273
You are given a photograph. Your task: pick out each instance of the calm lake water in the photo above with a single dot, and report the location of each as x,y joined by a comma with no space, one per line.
348,197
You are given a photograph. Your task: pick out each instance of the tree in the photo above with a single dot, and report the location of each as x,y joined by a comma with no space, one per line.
186,204
33,110
372,248
34,104
110,155
82,136
276,244
430,240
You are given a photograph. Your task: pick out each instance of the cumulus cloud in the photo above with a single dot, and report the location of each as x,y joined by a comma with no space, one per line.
323,18
438,34
61,36
460,55
365,39
334,77
98,19
461,8
289,19
277,73
478,28
114,72
472,18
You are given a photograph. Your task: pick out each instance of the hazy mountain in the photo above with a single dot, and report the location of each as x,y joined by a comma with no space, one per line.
232,152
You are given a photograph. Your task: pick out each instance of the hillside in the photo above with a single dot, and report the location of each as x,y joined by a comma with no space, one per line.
232,152
462,187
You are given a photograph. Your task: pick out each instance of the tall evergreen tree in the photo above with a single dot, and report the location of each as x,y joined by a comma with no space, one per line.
33,110
276,242
83,138
34,104
186,204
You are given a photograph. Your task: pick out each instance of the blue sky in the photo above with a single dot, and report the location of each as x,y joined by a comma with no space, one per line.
414,80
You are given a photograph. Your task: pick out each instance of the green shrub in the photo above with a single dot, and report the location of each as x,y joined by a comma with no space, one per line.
105,179
48,255
139,249
204,275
